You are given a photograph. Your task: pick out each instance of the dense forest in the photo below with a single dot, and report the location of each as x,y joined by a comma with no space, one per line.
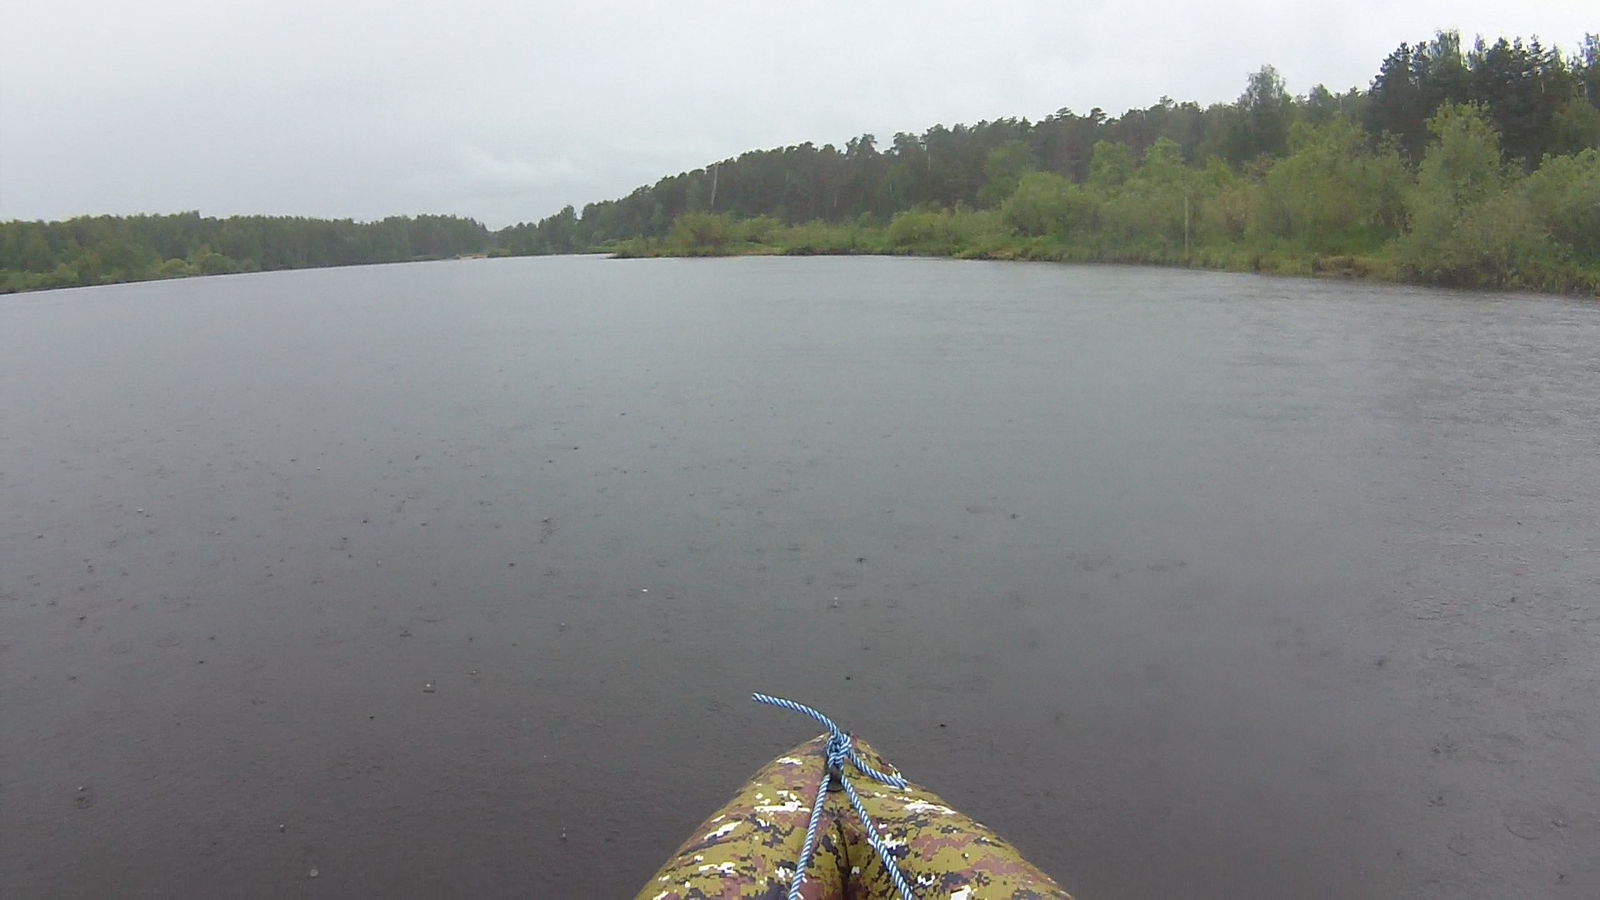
1463,166
103,249
1458,165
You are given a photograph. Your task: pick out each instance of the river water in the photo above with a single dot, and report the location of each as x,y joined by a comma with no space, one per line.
454,578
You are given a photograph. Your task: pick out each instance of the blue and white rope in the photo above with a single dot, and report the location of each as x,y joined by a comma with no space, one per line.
840,750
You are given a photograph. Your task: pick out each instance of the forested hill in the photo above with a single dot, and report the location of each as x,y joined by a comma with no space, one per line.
1456,165
1538,99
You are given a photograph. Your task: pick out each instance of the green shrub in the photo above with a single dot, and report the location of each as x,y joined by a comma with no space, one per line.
1003,170
702,232
1047,204
175,268
958,232
1332,193
920,230
1566,193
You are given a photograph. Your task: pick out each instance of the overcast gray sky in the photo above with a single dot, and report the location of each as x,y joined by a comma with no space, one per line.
506,111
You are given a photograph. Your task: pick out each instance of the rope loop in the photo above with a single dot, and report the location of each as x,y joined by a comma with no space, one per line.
840,750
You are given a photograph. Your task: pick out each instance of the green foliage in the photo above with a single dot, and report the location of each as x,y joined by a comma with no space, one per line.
1047,204
1320,106
1565,194
1494,242
1265,111
1462,166
1110,167
716,234
557,234
1225,204
1472,223
1576,128
819,237
176,268
1331,194
958,232
710,231
1145,212
1275,188
105,249
1411,85
1003,170
924,231
1525,90
1334,206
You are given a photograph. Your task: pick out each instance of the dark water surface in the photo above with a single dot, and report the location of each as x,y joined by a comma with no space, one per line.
1186,583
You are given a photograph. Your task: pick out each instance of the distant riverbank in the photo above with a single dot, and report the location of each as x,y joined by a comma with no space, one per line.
1336,205
1463,165
1333,207
971,236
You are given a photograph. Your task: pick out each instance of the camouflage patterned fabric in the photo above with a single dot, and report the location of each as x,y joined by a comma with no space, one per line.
748,849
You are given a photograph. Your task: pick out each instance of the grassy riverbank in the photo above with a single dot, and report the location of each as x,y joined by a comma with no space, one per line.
1333,206
971,234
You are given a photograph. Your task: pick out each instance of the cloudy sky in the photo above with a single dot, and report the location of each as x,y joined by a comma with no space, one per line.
506,111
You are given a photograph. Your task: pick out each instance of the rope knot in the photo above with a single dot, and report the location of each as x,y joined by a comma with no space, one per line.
839,750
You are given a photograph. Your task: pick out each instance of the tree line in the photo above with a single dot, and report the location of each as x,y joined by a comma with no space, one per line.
1331,205
1279,176
102,249
1540,101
